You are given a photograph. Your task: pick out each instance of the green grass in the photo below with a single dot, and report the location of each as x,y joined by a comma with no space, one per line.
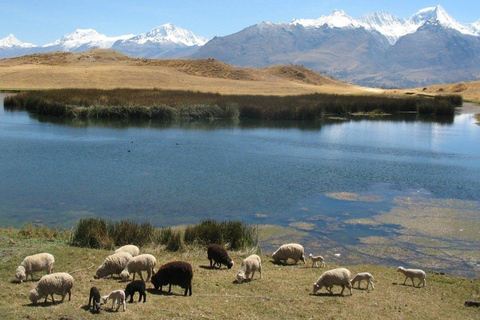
285,292
175,105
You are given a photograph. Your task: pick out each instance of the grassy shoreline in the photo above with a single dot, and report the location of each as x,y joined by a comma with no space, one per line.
284,292
175,105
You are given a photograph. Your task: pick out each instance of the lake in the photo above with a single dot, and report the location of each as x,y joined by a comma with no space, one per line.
370,190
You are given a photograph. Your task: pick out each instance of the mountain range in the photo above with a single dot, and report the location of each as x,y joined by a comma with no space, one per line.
378,49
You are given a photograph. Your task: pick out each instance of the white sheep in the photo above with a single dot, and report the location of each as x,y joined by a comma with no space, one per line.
33,263
113,264
414,273
59,283
249,265
143,262
316,259
292,251
334,277
118,298
130,248
363,276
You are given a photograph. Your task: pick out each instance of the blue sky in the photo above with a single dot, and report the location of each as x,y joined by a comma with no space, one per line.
42,21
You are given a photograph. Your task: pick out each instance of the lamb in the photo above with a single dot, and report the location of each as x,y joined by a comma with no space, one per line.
363,276
95,296
118,297
334,277
36,262
143,262
249,265
113,264
316,259
177,273
218,254
130,248
59,283
414,273
136,286
292,251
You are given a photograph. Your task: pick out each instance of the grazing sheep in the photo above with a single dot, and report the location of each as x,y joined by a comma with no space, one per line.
249,265
118,297
95,296
334,277
414,273
143,262
316,259
177,273
33,263
113,264
59,283
363,276
136,286
292,251
130,248
218,254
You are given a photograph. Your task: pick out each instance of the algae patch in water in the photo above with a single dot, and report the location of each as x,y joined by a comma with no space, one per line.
302,225
348,196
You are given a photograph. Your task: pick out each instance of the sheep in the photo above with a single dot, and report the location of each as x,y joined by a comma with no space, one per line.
334,277
292,251
136,286
143,262
36,262
218,254
363,276
130,248
315,260
249,265
59,283
113,264
95,296
177,273
414,273
118,297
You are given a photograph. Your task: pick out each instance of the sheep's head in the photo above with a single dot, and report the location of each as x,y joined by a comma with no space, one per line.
317,287
303,258
34,296
230,264
104,299
241,276
401,269
310,256
124,275
101,272
20,273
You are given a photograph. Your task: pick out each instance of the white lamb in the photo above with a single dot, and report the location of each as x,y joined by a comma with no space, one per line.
143,262
334,277
316,259
249,265
59,283
118,298
292,251
130,248
414,273
33,263
113,264
363,276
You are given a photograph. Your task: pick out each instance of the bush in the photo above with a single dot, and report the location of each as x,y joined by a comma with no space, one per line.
174,241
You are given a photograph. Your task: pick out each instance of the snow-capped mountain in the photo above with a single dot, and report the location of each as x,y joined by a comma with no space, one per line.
439,15
83,39
338,19
475,27
169,33
11,41
392,27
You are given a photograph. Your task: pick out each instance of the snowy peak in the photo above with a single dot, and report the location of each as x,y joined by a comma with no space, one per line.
169,33
11,41
438,15
338,19
392,27
85,37
475,27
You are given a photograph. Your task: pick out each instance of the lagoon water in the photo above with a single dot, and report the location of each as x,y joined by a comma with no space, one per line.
312,176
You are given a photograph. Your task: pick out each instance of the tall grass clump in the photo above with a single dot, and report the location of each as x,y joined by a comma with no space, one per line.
30,231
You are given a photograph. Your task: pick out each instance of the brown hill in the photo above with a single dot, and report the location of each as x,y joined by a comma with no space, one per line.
469,90
106,69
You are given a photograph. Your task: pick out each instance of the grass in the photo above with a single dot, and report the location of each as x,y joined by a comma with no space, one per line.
285,292
174,105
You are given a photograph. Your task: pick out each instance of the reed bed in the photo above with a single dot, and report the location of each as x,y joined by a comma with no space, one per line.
177,105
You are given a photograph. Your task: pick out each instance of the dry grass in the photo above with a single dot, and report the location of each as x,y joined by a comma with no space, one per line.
469,90
285,292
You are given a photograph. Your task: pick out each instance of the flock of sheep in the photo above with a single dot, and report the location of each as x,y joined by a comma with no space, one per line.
127,260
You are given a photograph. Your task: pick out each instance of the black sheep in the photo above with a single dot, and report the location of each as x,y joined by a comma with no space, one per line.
95,296
177,273
136,286
218,254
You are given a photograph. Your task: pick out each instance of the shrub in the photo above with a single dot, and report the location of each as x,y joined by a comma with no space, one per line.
174,241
